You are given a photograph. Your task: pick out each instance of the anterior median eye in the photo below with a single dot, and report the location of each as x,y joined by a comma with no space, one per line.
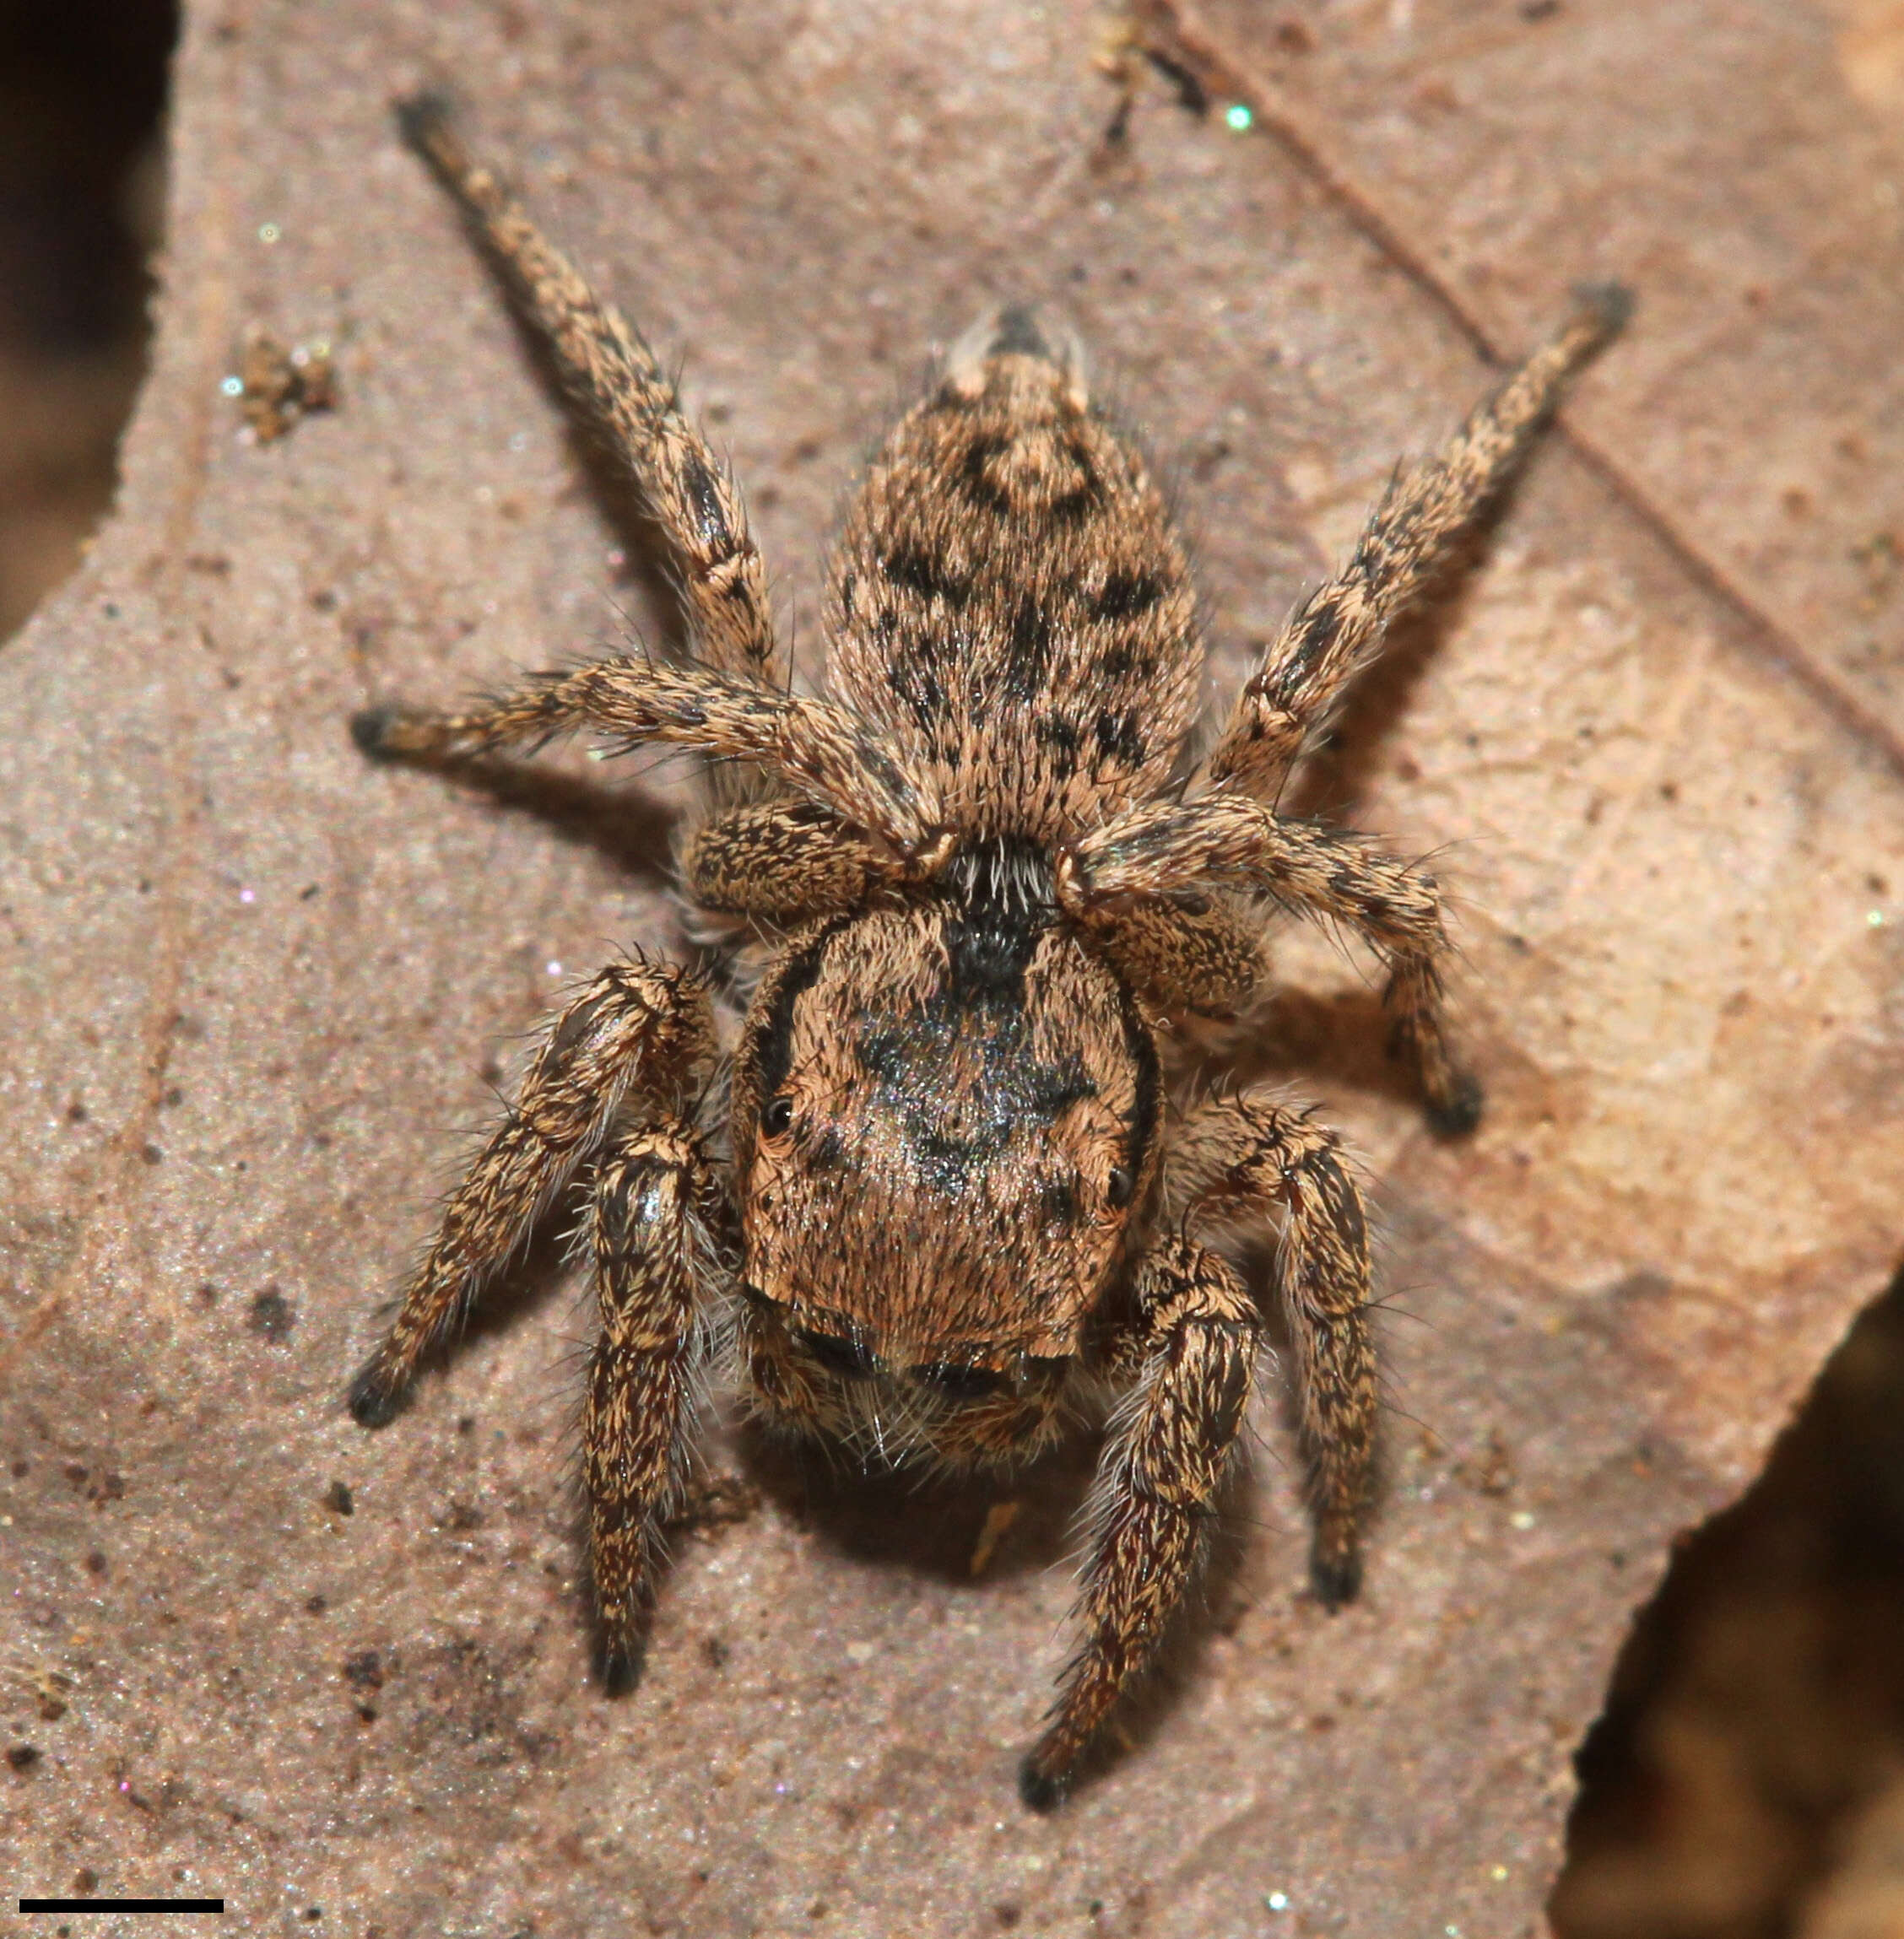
777,1119
1120,1187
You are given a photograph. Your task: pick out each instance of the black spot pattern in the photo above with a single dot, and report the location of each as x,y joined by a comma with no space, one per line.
1126,595
704,503
919,571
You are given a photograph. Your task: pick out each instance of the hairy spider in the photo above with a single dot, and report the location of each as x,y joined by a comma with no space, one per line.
944,1192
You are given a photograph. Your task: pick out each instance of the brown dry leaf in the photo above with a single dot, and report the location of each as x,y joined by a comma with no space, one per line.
255,987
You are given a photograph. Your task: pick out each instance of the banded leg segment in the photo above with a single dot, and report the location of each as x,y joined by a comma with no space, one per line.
614,376
1158,849
1196,1340
781,862
819,748
1338,628
638,1029
1248,1155
656,1219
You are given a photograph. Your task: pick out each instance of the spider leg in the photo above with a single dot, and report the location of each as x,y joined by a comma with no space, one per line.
638,1029
822,750
655,1213
779,862
614,376
1206,959
1249,1157
1338,629
1196,1341
1158,848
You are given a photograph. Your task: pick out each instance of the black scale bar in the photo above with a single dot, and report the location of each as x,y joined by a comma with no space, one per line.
121,1905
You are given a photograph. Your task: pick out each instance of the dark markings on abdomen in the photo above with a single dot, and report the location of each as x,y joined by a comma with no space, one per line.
917,570
1119,738
1128,595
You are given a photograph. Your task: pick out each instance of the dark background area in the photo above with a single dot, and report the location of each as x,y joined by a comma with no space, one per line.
1747,1779
82,101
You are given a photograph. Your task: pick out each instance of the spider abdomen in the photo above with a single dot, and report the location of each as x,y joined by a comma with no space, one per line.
942,1109
1009,604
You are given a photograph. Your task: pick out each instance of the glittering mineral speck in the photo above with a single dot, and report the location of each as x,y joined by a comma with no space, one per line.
269,232
1238,117
233,387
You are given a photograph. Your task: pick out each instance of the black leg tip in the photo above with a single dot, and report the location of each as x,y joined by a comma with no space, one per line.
1610,303
373,1402
1337,1579
1457,1114
1040,1791
421,114
371,730
618,1668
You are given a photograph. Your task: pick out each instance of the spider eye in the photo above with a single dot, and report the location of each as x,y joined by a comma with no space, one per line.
778,1117
1119,1187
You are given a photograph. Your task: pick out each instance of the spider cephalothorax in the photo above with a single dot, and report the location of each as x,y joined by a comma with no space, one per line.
955,1105
974,892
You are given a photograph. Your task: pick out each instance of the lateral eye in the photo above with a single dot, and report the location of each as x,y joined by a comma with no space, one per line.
777,1119
1119,1186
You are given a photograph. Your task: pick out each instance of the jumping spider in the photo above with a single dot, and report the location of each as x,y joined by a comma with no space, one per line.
941,1190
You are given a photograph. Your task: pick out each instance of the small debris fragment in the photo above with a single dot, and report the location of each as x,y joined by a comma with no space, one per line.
270,1314
338,1499
49,1688
998,1519
1491,1471
1881,556
364,1671
276,388
716,1501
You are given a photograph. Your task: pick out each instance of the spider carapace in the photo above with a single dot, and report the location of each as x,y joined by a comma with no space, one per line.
940,1196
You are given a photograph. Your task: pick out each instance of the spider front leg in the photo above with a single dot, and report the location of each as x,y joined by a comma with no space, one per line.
819,749
1193,1346
614,376
1158,848
640,1029
1339,628
657,1215
779,862
1248,1157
